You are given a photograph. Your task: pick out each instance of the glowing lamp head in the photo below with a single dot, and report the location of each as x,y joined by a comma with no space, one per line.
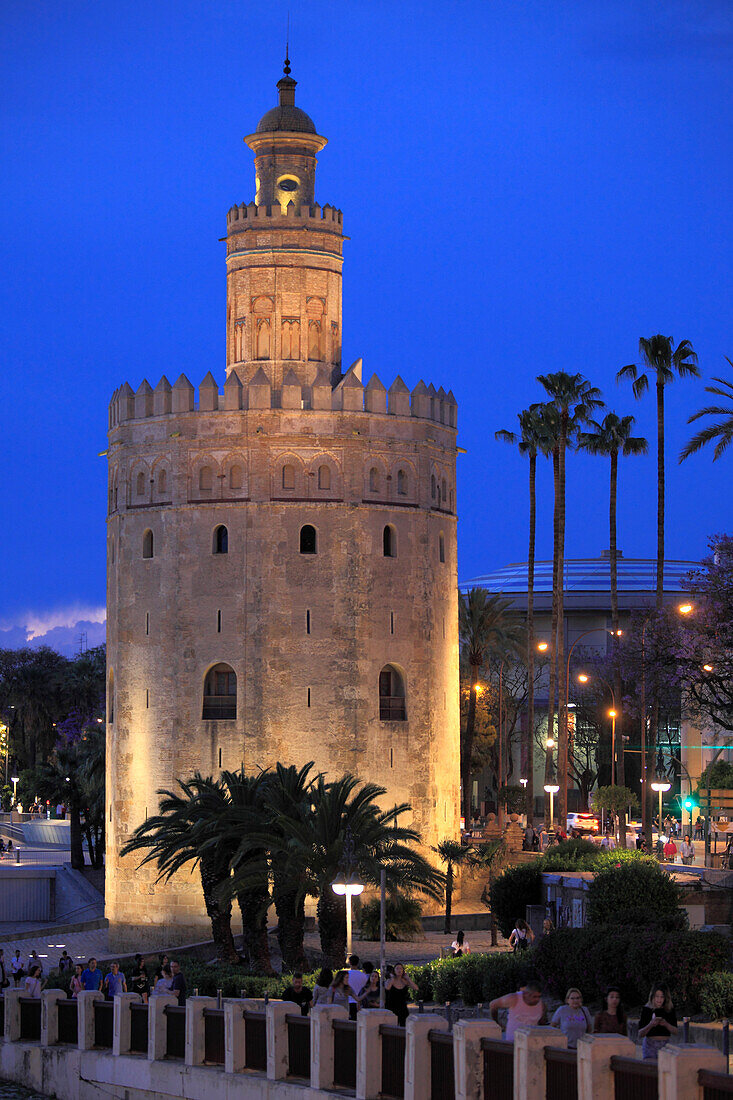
685,608
551,742
552,788
583,678
707,668
542,646
612,714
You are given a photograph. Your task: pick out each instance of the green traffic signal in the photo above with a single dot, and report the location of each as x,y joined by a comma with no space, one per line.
689,804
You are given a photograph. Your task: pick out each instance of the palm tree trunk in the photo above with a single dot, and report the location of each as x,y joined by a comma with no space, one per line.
549,754
75,836
468,746
660,494
529,733
562,709
219,913
290,909
448,898
618,774
253,905
332,927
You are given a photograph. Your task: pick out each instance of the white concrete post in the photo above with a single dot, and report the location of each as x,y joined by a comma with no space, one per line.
122,1021
158,1025
369,1051
529,1060
234,1046
417,1054
468,1059
50,1016
85,1001
679,1066
12,1014
322,1043
277,1038
595,1077
195,1038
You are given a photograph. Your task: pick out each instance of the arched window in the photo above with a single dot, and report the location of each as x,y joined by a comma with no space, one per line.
206,479
290,340
432,486
308,540
111,697
444,489
263,340
402,483
162,480
374,480
235,477
314,340
392,695
389,542
221,540
441,546
324,477
220,693
288,477
148,544
140,484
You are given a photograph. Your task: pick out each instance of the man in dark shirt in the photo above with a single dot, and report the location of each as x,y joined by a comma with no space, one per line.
299,993
178,985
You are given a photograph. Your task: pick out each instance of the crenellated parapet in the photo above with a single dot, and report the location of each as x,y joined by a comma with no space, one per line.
249,213
349,395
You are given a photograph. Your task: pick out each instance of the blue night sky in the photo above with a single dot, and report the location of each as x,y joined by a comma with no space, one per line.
528,187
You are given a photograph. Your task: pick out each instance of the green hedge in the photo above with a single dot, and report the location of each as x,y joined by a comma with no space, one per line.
716,995
632,958
474,979
638,886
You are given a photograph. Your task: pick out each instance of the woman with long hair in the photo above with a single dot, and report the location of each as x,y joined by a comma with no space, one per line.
396,993
340,990
322,987
611,1020
657,1022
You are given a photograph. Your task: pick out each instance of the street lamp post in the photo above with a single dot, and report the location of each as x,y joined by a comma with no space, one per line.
347,886
552,789
14,779
660,785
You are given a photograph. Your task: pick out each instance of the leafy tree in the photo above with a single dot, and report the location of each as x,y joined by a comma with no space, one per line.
638,887
75,776
174,837
484,730
573,399
485,626
615,801
453,854
722,431
717,776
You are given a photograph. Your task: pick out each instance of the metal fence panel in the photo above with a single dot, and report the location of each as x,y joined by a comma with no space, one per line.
30,1019
562,1073
634,1079
715,1086
299,1046
214,1036
344,1054
175,1031
139,1029
255,1041
442,1080
393,1061
68,1022
498,1069
103,1023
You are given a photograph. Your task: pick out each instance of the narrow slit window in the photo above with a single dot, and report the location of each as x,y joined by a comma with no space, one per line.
307,622
218,622
391,758
147,622
309,696
148,546
147,698
391,622
389,542
441,546
219,757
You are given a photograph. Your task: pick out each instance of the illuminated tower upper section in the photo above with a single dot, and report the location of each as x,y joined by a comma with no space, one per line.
284,257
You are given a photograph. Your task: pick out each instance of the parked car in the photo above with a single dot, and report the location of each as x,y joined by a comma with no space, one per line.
585,823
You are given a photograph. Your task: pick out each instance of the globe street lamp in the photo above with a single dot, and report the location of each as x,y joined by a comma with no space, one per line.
14,779
552,789
347,886
661,785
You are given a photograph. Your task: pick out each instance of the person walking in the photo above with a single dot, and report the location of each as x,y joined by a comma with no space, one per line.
178,985
369,996
4,980
687,851
657,1022
521,936
16,966
340,990
397,992
670,849
33,983
65,963
322,987
573,1018
525,1008
114,983
611,1020
33,960
139,982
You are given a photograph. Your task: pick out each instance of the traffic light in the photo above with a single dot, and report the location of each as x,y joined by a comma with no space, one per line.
690,804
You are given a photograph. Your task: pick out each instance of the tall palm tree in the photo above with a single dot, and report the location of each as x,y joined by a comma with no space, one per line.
613,437
722,431
453,854
174,838
531,440
661,360
573,398
485,626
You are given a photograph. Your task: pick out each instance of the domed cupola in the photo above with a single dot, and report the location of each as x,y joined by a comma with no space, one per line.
285,144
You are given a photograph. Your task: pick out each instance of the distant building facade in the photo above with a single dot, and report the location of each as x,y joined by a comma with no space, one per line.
587,621
282,577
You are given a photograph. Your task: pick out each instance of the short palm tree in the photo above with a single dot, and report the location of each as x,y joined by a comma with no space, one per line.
175,836
485,626
453,854
722,431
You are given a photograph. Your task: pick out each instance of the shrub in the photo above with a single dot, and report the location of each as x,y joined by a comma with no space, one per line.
511,893
716,995
632,958
474,979
403,919
623,885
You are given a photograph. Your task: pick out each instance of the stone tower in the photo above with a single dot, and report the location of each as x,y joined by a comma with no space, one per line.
281,555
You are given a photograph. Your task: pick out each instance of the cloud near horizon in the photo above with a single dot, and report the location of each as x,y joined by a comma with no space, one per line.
59,628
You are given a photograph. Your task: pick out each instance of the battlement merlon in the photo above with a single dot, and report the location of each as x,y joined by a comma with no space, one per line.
251,215
349,396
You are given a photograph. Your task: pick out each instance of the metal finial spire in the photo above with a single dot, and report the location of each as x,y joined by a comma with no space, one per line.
286,67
